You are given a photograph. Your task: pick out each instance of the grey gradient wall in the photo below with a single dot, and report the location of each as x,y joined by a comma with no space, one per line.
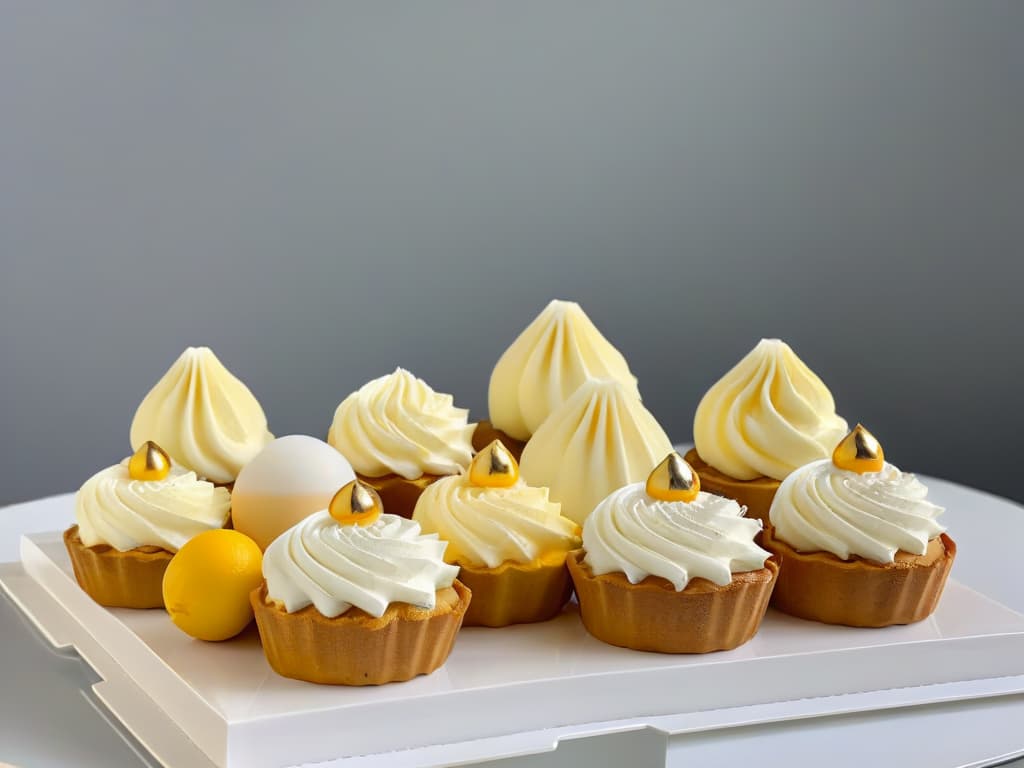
323,191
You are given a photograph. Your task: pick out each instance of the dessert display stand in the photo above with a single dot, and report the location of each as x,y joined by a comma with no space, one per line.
548,694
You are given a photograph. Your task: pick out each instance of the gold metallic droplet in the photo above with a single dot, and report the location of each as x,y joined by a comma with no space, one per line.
150,462
673,480
494,467
859,452
355,504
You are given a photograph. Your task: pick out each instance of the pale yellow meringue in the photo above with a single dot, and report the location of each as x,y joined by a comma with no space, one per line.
560,350
767,416
600,439
398,424
204,417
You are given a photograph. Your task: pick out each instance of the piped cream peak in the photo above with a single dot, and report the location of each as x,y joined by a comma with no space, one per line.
767,416
558,352
203,416
600,439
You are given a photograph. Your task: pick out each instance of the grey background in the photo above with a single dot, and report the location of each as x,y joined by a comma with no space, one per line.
322,191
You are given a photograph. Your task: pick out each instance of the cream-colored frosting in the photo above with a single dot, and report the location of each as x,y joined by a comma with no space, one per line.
398,424
631,533
203,416
821,508
334,567
767,416
113,509
600,439
546,364
486,527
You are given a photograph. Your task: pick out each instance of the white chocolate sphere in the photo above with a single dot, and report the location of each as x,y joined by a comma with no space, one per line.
290,479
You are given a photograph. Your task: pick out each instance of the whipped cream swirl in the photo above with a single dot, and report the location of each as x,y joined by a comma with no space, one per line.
398,424
767,416
600,439
334,567
546,364
873,515
489,526
203,416
709,538
113,509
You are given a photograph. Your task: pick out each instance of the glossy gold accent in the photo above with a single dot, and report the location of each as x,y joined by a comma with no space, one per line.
859,452
355,504
150,462
673,480
494,467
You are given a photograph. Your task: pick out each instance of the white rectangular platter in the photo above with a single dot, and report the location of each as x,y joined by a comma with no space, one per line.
238,712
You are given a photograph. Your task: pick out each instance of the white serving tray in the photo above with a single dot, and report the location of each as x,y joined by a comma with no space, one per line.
519,680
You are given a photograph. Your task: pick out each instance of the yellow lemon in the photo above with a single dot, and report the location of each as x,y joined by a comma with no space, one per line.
207,584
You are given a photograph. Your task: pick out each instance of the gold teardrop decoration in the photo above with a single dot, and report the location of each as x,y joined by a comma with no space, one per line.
150,462
673,480
494,467
859,452
355,504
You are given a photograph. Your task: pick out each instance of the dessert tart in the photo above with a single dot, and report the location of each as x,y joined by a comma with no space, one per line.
400,436
556,353
130,520
857,540
509,540
204,417
767,416
353,596
600,439
666,567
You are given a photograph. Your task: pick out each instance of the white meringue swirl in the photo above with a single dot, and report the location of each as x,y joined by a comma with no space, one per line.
113,509
490,526
821,508
334,567
398,424
709,538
